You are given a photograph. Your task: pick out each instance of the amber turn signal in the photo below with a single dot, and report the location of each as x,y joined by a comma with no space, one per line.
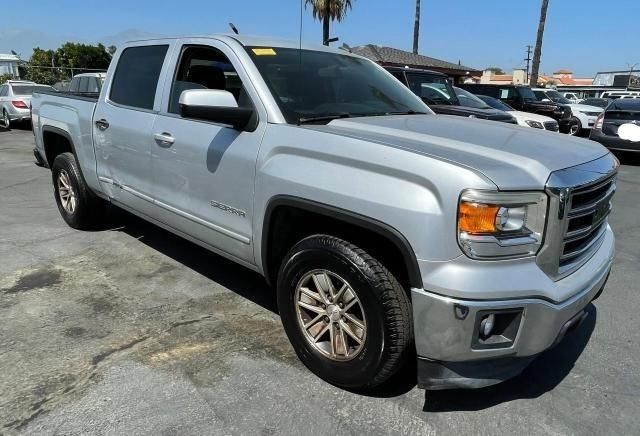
477,218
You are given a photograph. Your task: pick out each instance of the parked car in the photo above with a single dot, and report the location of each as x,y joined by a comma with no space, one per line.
523,99
437,92
15,101
598,102
469,100
572,97
87,82
583,116
526,119
620,112
382,226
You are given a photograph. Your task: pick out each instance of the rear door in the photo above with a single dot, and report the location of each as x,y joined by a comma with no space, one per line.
203,175
123,122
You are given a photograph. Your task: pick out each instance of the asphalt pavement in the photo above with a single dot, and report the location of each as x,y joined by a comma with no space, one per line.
131,330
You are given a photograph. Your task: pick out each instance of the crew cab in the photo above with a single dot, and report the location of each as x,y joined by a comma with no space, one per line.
389,233
437,92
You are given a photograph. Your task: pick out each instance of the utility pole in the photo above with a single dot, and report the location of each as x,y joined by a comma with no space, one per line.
528,60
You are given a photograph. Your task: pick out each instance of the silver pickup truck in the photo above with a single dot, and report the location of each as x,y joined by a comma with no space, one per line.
388,231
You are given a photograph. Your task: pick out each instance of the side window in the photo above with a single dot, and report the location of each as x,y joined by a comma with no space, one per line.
92,86
205,68
84,84
136,77
75,84
3,91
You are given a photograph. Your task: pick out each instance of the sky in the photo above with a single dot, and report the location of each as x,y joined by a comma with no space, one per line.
585,36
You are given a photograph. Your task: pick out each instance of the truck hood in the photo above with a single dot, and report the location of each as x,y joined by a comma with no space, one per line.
510,156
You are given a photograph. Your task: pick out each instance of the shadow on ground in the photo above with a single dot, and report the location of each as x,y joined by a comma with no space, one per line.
232,276
543,375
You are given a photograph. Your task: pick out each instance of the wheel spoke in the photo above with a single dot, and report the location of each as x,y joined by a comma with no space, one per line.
347,330
313,322
332,338
312,294
321,333
311,307
350,304
354,320
322,283
343,339
341,292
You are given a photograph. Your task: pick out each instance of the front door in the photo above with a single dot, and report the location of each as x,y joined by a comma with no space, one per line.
123,122
203,173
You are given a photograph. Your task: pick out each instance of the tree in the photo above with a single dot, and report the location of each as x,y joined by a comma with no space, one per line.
49,66
111,50
5,77
326,11
495,70
537,52
416,28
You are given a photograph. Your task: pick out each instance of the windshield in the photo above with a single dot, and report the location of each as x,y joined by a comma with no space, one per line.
495,103
469,100
431,88
29,89
554,96
314,84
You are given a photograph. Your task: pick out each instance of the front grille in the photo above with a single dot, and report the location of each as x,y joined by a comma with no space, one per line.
551,125
588,207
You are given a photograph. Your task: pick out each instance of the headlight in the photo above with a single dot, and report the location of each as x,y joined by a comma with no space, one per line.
501,225
534,124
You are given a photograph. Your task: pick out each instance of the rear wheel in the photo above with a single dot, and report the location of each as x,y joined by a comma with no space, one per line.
6,121
347,317
79,207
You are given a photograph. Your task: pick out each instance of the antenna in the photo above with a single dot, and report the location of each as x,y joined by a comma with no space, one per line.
331,40
234,29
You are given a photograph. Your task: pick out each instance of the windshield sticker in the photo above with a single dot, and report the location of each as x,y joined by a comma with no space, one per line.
263,51
504,93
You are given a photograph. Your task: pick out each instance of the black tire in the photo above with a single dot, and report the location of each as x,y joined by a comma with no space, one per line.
386,305
576,127
6,121
88,208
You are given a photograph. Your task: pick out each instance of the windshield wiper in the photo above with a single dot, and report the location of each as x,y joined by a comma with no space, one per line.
323,118
409,112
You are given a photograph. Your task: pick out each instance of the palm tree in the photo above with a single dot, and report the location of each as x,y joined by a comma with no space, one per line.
328,10
416,28
537,52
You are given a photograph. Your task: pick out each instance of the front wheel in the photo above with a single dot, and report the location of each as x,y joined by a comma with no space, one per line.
347,317
576,127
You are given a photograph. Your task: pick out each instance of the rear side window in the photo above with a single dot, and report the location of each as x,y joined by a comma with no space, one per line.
84,84
136,77
3,91
75,84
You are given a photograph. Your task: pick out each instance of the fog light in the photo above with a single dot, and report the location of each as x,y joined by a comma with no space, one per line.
486,325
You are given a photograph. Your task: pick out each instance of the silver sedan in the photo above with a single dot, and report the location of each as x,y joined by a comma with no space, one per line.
15,100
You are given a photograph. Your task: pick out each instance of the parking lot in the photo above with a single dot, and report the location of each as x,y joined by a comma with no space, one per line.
131,329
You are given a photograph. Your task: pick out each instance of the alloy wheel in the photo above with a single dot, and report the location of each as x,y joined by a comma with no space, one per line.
330,315
66,192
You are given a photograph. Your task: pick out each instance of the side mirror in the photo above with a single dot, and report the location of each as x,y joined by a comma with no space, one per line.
215,105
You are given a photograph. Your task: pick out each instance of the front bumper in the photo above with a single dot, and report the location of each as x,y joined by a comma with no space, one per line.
450,355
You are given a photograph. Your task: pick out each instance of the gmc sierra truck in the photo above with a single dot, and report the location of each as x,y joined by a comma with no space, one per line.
389,232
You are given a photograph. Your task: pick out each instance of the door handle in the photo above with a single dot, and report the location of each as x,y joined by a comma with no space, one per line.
164,139
102,124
